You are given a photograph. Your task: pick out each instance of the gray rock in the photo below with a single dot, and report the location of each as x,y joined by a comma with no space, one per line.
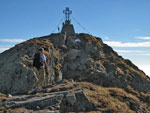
71,98
37,103
73,54
76,101
17,75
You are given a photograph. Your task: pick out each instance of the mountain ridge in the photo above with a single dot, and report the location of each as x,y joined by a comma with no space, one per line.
87,60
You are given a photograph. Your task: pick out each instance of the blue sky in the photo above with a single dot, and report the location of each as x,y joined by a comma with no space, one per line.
122,24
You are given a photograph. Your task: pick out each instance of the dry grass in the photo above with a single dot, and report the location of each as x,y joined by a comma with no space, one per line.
92,40
62,87
18,110
105,99
121,95
3,97
45,41
101,97
24,110
119,71
144,97
129,68
46,44
58,66
48,55
110,99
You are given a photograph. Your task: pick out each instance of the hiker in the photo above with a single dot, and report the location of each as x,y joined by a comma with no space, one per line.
40,67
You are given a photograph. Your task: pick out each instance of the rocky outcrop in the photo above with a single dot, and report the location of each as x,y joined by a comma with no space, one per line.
64,101
17,75
69,96
74,100
93,61
81,57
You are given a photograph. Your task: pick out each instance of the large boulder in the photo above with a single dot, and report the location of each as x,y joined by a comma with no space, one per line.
17,75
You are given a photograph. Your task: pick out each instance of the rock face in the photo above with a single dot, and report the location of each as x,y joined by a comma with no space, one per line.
87,59
93,61
16,66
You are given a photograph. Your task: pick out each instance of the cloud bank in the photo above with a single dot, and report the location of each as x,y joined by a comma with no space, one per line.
145,38
12,40
3,49
130,44
131,51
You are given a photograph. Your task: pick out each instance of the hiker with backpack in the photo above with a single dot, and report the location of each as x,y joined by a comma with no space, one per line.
40,67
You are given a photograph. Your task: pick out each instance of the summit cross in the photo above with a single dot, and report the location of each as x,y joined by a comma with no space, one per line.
67,12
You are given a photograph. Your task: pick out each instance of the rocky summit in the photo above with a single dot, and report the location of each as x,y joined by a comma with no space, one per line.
84,75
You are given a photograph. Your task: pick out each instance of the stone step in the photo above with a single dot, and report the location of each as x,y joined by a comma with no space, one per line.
75,100
21,98
36,102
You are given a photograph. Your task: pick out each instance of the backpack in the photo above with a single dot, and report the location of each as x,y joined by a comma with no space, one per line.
37,61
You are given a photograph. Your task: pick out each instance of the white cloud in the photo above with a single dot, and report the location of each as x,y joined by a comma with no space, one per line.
146,54
130,44
145,38
135,54
131,51
3,49
12,40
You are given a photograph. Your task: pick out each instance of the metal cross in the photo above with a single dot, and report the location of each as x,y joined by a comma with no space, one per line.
67,12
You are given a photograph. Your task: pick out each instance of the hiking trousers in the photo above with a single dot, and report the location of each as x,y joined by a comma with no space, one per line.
40,76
